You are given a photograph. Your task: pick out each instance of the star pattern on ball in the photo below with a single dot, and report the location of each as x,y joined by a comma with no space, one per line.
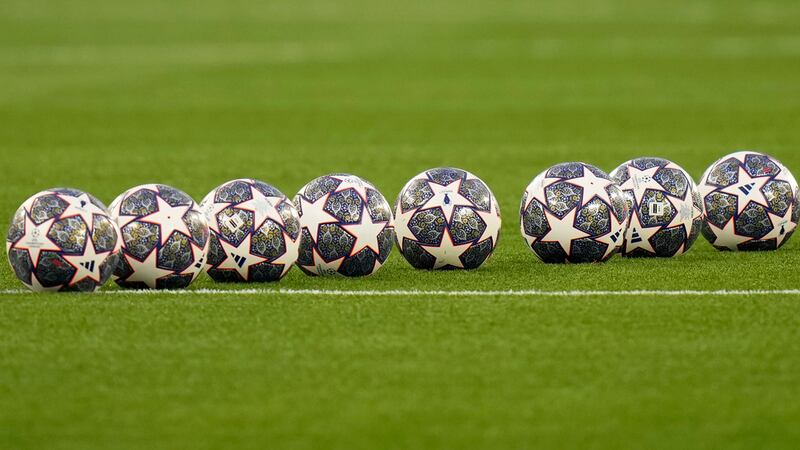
35,239
86,265
747,189
36,286
146,271
447,253
198,261
613,241
82,207
366,232
591,183
563,230
537,189
447,197
211,210
401,229
239,258
492,220
289,257
684,215
314,215
642,180
727,236
782,226
263,208
321,267
354,183
169,218
638,236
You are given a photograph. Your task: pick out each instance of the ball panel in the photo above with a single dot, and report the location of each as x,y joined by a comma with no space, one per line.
104,236
656,209
234,224
334,242
47,207
563,197
549,252
779,195
269,241
174,197
587,250
359,265
648,163
674,181
415,194
139,202
758,165
17,227
69,234
415,254
428,226
176,281
753,222
720,208
534,221
476,255
53,270
724,173
594,218
478,193
317,188
377,207
385,244
141,239
236,191
669,241
565,171
446,175
21,264
466,225
265,272
176,254
345,205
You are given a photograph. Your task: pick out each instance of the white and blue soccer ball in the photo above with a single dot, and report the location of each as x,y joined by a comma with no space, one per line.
62,240
347,226
573,212
666,214
165,238
750,202
255,232
446,218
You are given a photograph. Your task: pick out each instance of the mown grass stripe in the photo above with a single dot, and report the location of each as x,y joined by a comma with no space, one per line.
440,293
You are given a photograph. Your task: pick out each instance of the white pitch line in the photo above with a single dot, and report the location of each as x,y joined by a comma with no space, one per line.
439,293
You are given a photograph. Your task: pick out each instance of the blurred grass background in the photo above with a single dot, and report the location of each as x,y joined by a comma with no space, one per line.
105,95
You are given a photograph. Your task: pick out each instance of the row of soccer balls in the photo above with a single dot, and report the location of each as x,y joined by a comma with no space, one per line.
155,236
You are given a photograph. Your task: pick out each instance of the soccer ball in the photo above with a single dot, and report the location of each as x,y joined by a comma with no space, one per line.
347,226
573,212
750,202
255,232
666,214
62,240
446,219
164,238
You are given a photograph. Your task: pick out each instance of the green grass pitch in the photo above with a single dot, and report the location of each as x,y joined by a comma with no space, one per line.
104,95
